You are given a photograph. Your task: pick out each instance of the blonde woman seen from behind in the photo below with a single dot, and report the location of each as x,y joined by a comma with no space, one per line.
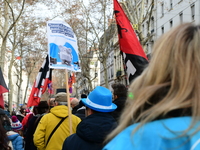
164,111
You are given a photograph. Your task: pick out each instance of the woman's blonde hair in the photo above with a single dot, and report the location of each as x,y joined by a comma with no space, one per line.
170,85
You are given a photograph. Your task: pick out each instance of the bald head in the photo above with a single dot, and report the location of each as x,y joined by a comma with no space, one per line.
74,102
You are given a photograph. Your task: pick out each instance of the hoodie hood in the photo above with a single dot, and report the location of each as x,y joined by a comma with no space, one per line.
95,127
12,135
60,111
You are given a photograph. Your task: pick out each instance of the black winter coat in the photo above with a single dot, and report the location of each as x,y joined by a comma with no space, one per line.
80,113
91,132
120,102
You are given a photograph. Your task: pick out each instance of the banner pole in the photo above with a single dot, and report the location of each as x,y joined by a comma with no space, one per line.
68,103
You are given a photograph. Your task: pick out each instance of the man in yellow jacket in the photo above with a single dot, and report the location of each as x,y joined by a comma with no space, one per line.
48,123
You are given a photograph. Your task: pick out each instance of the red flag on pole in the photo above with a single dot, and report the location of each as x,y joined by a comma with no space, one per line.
3,89
134,57
71,81
40,85
50,88
18,57
73,78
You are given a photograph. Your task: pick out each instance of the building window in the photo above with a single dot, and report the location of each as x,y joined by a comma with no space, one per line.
147,25
193,11
143,28
181,17
96,63
171,4
111,72
139,9
147,47
162,9
152,24
162,30
152,44
108,73
171,23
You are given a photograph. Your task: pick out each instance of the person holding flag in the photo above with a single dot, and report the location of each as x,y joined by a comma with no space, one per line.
54,127
63,53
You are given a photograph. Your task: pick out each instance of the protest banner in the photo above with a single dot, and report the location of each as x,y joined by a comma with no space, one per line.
62,46
63,51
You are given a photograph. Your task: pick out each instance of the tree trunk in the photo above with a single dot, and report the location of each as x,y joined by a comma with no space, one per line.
4,38
20,84
105,74
26,89
10,85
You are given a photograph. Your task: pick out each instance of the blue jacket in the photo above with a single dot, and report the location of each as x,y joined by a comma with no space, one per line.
16,139
91,132
157,135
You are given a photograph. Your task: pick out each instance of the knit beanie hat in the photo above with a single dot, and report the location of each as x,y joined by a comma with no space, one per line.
16,124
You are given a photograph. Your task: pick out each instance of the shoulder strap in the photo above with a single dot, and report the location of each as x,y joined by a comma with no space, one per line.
55,129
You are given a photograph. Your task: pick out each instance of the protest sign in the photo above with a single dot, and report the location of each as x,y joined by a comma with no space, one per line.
62,46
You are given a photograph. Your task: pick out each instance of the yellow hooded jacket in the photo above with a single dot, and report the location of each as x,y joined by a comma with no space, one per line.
48,123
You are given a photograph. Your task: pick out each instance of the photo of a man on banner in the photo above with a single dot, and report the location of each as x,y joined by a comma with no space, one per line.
62,46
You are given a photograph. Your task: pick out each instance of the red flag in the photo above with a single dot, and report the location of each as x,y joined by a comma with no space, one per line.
70,83
40,85
33,100
71,80
18,57
134,57
3,89
50,88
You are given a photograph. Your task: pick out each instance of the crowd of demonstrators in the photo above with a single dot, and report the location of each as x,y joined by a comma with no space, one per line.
92,131
164,113
9,139
54,128
161,113
119,98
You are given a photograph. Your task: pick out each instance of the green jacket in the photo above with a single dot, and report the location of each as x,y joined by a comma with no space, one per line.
48,123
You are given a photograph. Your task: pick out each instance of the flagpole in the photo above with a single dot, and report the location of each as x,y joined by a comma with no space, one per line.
68,103
125,73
